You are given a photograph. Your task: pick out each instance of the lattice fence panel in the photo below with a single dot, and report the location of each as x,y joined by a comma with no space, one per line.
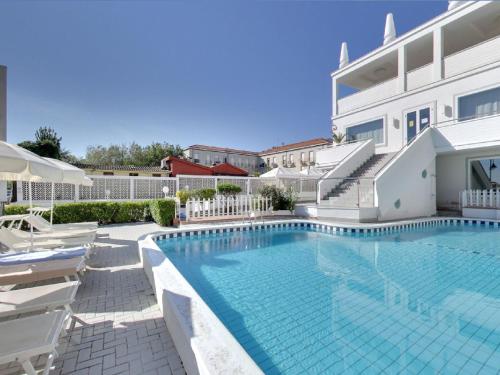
195,183
150,188
256,184
42,191
241,182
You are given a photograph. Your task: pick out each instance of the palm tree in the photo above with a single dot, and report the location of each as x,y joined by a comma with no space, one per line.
338,138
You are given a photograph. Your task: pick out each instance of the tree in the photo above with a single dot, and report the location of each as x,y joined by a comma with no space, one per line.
338,138
47,143
134,154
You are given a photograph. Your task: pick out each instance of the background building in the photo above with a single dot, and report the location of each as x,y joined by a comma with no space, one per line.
122,170
211,155
298,155
3,103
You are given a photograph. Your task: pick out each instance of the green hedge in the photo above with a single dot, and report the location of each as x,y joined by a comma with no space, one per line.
163,211
108,212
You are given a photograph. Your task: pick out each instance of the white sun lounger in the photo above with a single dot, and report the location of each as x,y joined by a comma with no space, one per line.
25,338
57,234
41,255
39,298
12,241
43,225
38,271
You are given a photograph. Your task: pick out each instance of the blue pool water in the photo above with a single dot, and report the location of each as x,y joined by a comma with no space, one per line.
425,301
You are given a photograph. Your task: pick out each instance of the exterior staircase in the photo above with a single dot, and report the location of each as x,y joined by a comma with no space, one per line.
357,190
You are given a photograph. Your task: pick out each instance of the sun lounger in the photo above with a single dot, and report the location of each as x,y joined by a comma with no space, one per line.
12,241
43,225
57,234
26,338
39,298
13,221
41,255
38,271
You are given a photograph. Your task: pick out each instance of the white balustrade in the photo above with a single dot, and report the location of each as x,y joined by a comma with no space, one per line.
240,205
480,198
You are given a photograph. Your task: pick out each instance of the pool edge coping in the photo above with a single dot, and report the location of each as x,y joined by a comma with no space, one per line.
214,349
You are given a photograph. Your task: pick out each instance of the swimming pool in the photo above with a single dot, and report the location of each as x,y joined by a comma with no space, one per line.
300,301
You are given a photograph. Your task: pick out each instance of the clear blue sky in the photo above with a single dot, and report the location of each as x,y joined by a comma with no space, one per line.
238,73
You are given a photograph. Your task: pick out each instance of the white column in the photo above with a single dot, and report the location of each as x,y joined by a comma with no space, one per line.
402,68
437,42
334,97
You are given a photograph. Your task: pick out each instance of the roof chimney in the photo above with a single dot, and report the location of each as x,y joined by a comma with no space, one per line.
344,56
455,4
390,29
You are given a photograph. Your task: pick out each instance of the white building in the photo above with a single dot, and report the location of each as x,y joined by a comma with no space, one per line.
298,156
3,103
422,120
211,155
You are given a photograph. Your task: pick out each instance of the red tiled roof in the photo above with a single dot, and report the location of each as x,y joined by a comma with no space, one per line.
223,149
226,169
292,146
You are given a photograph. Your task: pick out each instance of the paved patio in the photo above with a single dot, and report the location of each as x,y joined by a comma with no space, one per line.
124,331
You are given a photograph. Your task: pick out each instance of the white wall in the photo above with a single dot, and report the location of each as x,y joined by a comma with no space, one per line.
452,174
402,181
3,103
441,97
333,155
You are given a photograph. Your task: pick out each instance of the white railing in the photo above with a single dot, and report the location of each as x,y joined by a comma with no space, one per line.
370,95
473,57
241,205
480,198
126,188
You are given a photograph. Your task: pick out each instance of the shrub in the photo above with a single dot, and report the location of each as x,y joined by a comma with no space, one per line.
291,198
203,194
102,212
228,190
163,211
131,212
183,196
277,195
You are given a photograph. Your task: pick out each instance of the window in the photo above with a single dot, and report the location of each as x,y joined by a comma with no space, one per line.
311,155
480,104
196,158
275,161
268,161
291,158
302,156
284,160
156,174
369,130
108,173
133,174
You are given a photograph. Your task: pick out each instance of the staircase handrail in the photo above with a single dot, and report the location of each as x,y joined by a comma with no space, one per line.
361,143
400,151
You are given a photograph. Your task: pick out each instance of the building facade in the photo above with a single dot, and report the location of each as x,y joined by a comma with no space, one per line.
297,156
430,101
122,170
3,103
211,155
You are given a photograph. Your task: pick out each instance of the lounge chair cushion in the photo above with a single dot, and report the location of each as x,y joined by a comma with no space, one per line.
41,256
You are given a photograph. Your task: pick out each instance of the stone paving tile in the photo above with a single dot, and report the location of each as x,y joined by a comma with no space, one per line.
124,331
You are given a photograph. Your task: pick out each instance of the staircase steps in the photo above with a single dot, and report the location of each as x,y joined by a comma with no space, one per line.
357,189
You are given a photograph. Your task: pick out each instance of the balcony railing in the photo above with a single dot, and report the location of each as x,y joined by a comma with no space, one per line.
473,57
373,94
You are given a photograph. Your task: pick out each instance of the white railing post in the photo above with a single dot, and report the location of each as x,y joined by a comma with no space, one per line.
77,193
132,193
188,204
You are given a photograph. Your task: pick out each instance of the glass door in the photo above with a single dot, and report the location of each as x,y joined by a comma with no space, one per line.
416,121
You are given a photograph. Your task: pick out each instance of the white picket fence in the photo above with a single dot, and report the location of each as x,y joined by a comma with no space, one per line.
480,198
241,205
126,188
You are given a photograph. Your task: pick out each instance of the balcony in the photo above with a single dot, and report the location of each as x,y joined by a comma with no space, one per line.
371,95
476,56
